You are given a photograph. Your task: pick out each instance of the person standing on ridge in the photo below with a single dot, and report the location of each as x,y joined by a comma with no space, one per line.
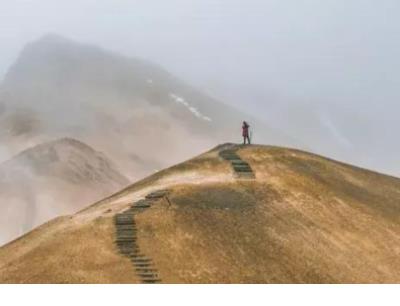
245,128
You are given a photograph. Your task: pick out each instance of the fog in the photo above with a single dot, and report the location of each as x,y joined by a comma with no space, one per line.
324,72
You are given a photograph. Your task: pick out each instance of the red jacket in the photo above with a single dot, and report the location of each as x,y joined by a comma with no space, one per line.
245,128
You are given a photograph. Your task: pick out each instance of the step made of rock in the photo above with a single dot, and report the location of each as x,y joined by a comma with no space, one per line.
147,275
126,235
127,247
141,257
140,206
243,170
141,260
239,162
230,156
146,270
125,240
241,167
152,281
157,194
143,265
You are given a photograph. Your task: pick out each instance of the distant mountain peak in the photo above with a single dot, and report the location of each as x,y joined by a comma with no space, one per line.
52,37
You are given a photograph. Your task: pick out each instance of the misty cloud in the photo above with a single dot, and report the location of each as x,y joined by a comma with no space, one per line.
265,57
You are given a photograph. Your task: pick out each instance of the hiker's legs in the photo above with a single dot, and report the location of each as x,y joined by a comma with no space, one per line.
248,139
244,140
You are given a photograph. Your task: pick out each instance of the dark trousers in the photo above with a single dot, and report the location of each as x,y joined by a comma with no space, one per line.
244,139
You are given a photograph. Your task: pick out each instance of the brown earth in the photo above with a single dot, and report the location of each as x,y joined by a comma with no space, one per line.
304,219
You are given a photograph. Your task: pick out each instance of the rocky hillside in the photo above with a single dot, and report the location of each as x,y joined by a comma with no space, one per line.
50,179
256,214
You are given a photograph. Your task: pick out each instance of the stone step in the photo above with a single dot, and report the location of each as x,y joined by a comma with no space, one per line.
125,223
148,262
243,169
241,165
230,154
157,194
141,206
126,244
126,237
141,202
124,240
128,248
152,281
147,275
140,259
146,270
239,162
232,158
130,227
143,264
246,176
123,217
127,228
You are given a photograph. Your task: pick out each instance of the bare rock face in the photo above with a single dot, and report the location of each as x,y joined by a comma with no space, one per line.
52,179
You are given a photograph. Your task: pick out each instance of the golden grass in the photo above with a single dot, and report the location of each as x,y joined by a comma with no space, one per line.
305,219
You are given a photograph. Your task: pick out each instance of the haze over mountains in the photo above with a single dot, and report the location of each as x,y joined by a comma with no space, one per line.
52,179
142,118
135,112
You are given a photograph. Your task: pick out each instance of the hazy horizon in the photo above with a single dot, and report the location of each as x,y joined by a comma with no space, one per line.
326,67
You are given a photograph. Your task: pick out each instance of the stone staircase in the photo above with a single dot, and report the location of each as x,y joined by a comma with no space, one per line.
241,168
126,238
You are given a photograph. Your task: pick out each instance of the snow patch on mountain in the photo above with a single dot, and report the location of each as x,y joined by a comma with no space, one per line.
337,134
192,109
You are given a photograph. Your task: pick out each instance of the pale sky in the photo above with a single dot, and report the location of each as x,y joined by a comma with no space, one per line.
264,56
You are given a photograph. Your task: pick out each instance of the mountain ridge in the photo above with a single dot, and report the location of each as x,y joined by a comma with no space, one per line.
303,219
50,179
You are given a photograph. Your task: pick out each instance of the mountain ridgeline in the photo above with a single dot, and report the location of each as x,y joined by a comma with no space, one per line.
52,179
289,217
141,116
